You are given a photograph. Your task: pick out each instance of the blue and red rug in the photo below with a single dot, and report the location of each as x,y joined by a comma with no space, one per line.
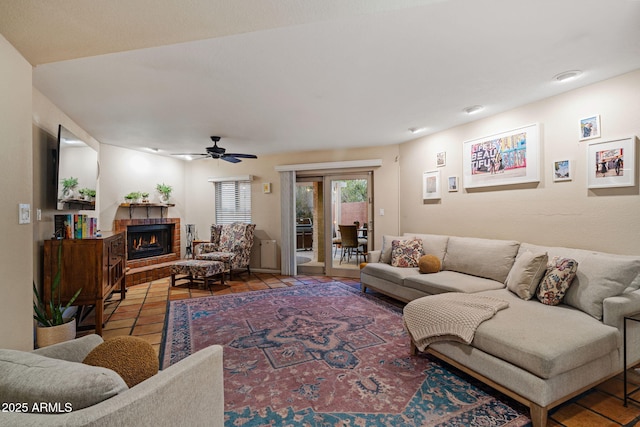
327,355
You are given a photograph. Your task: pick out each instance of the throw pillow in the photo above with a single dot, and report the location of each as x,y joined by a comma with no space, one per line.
560,273
133,358
32,379
406,253
526,273
429,264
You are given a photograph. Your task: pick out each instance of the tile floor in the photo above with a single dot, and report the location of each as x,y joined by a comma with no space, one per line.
142,314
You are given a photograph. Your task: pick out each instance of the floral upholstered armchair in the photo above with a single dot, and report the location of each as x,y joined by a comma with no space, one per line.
230,243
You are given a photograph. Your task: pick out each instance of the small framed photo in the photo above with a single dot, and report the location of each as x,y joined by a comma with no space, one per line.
431,185
590,127
611,163
441,159
452,183
562,170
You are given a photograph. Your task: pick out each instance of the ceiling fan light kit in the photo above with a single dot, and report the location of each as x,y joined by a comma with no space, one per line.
216,152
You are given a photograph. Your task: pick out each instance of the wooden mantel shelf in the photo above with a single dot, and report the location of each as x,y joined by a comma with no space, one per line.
132,206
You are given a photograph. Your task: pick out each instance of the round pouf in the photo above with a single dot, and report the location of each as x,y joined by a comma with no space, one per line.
429,264
133,358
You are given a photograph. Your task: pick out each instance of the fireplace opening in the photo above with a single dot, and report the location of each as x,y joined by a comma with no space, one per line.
144,241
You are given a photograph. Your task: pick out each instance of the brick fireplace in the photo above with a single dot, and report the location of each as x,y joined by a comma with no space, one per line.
154,267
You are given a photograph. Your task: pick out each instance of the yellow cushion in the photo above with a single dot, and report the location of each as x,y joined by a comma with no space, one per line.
429,264
133,358
362,264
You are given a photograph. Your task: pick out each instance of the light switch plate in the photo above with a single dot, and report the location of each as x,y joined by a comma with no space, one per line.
24,213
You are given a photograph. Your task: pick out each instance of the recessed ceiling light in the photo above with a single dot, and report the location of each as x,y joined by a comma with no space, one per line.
567,76
473,109
417,130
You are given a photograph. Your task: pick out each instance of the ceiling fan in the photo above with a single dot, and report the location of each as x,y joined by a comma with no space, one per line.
216,152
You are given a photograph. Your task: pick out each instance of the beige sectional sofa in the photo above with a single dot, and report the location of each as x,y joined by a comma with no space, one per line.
538,354
53,378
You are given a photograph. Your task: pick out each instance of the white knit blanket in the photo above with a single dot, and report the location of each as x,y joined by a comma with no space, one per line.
452,316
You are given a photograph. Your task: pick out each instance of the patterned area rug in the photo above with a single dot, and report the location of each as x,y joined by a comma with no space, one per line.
327,355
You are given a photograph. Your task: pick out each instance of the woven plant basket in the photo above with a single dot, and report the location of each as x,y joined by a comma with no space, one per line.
46,336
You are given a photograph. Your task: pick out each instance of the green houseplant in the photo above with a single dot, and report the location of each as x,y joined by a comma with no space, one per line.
165,192
133,197
68,187
52,326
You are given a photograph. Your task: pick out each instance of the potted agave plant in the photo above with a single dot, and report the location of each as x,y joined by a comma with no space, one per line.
53,327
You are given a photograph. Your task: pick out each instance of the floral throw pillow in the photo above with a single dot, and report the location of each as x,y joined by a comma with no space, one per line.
560,273
406,253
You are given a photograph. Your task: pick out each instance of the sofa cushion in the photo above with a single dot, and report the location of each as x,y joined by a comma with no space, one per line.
544,340
385,251
599,276
450,281
133,358
31,378
433,244
526,273
560,273
487,258
429,264
406,253
387,272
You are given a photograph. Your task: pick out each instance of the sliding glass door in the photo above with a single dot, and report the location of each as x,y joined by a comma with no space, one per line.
349,230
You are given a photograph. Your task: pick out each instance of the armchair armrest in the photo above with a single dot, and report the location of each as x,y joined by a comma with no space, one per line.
198,246
71,351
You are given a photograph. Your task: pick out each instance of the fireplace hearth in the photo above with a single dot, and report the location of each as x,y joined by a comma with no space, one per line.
151,267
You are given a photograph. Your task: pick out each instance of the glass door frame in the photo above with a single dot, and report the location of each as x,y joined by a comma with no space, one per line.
331,267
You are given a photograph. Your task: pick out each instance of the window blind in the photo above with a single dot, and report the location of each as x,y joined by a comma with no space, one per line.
233,201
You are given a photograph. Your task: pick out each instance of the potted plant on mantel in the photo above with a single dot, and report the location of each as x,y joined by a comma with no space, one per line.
68,187
52,326
165,192
133,197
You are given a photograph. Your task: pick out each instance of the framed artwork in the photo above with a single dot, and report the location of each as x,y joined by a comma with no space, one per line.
506,158
431,185
452,183
590,127
611,163
562,170
441,159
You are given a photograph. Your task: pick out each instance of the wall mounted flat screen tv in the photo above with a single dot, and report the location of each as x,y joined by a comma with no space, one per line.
77,167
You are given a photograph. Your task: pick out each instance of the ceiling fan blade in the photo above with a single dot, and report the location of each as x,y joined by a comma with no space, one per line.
230,159
242,156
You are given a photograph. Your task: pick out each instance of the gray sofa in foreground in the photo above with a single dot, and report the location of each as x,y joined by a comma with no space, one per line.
189,392
538,354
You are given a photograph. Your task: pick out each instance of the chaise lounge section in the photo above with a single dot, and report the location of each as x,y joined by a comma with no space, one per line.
538,354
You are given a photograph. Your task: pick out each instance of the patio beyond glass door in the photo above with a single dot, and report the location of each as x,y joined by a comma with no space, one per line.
350,226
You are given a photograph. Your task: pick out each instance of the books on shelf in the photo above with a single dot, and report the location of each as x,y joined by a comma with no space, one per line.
75,226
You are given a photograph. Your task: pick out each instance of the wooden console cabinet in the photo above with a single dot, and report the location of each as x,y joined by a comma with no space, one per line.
95,265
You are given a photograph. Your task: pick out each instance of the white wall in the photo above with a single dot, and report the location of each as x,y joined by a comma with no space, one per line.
549,213
123,171
16,254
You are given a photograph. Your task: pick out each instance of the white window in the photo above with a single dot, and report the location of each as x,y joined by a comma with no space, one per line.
233,201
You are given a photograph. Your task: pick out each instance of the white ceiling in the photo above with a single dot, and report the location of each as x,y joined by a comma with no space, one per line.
293,75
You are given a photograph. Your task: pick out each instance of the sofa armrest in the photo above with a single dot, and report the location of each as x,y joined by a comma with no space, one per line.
72,351
190,391
374,256
615,308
